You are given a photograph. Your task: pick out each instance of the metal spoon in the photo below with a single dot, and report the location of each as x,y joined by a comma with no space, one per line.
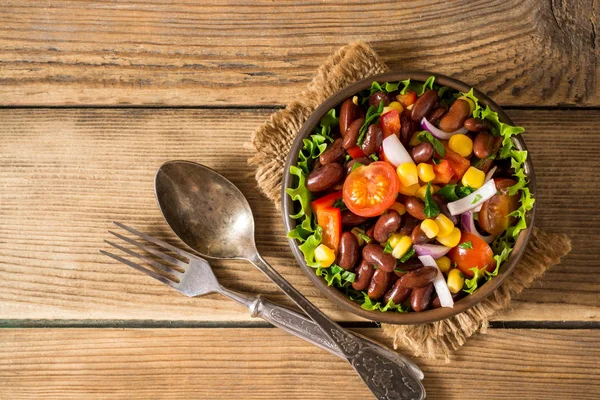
213,218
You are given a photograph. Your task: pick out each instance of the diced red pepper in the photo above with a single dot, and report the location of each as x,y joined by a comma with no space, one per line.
325,201
443,172
390,123
355,152
330,219
459,164
407,99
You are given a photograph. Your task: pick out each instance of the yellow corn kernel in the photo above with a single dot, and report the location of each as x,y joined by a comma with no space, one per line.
473,177
425,172
452,239
462,144
414,140
399,208
443,264
456,280
420,193
444,224
468,100
430,228
357,232
394,105
401,248
408,190
324,255
407,172
394,239
355,99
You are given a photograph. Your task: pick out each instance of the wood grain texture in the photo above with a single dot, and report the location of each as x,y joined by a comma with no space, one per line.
66,174
268,364
215,53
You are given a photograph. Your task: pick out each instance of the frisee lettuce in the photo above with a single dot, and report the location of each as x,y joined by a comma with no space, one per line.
336,276
369,304
471,284
418,88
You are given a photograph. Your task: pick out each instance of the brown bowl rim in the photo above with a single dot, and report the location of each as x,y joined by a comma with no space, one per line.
412,317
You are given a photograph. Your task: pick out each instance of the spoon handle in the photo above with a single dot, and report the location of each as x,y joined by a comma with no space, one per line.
385,376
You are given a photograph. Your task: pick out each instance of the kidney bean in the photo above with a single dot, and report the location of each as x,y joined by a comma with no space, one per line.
477,125
352,132
387,224
369,232
373,254
418,236
424,105
347,115
418,277
420,298
483,145
348,251
415,207
324,177
407,127
422,152
455,117
409,265
437,113
334,153
409,224
442,205
379,283
378,97
361,160
373,139
364,272
398,294
351,219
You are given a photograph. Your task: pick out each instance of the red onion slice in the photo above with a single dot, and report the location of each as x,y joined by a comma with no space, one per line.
473,200
439,283
394,151
433,250
489,176
468,224
438,133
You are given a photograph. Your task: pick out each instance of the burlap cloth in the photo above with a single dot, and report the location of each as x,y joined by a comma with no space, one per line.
271,143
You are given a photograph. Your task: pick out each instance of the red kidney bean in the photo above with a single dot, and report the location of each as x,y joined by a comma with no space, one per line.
324,177
409,224
437,113
387,224
407,127
334,153
422,152
415,207
373,254
410,265
398,294
455,117
379,284
360,160
364,272
373,139
352,132
418,236
420,298
378,97
348,251
483,145
424,105
369,232
418,277
351,219
477,125
347,115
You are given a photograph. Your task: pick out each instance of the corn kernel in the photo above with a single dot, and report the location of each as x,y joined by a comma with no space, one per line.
394,105
444,224
399,208
394,239
408,190
402,247
425,172
443,264
430,228
420,193
357,232
452,239
456,280
385,110
324,255
468,100
355,100
407,172
462,144
473,177
414,140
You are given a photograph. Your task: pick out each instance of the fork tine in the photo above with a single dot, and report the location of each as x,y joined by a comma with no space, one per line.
143,270
157,253
156,241
155,264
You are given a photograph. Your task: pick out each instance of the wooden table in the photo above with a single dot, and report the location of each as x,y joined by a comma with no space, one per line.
96,95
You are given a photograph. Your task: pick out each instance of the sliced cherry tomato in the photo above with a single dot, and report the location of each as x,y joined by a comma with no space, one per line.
356,152
459,164
443,172
479,256
494,215
371,189
325,201
330,219
390,123
407,99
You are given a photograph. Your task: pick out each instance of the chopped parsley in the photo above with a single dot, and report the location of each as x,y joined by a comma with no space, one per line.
466,245
476,199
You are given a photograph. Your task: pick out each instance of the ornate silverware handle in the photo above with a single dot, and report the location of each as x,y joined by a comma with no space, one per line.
387,378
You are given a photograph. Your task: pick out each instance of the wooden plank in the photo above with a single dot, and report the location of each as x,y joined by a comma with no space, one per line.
66,174
268,364
205,53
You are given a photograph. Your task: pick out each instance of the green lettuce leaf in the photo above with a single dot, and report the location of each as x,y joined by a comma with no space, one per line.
469,95
372,117
308,247
471,284
426,136
369,304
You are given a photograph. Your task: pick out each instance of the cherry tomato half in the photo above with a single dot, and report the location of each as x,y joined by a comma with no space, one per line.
478,254
494,215
371,189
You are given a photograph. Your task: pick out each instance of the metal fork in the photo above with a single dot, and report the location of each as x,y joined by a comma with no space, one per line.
198,279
